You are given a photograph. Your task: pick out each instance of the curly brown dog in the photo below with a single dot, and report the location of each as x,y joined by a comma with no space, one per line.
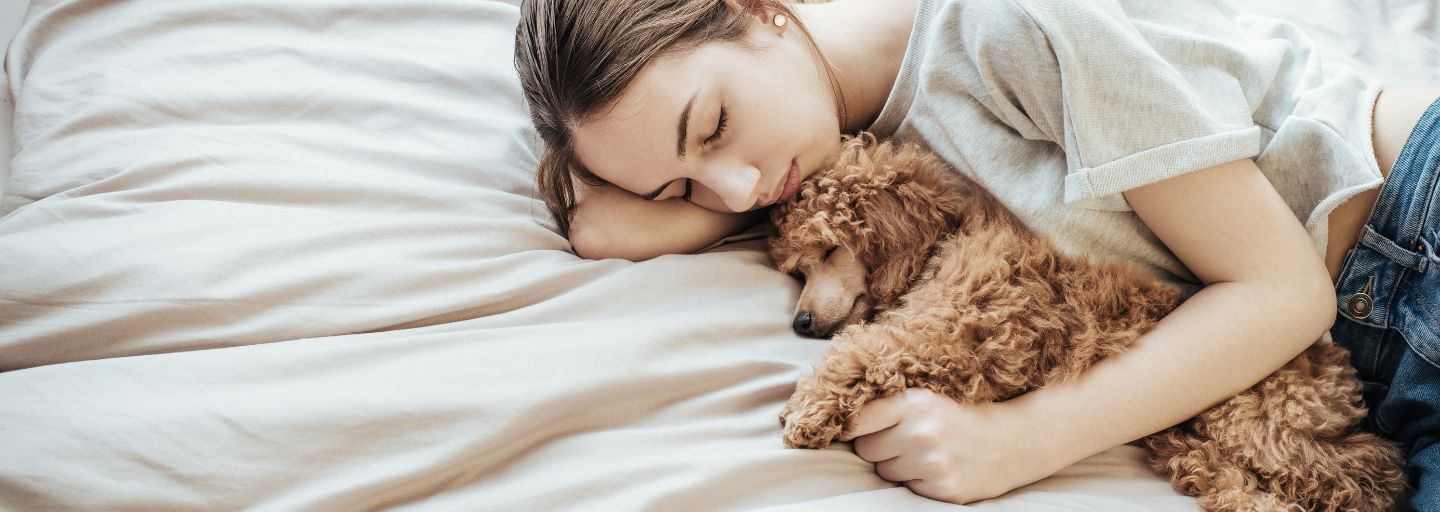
937,286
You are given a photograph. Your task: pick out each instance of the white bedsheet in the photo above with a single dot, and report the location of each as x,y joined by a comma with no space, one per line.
12,12
287,256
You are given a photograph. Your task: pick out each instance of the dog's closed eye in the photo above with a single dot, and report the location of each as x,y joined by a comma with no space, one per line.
800,274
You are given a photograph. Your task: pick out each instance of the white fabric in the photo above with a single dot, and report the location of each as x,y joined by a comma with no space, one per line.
12,12
287,256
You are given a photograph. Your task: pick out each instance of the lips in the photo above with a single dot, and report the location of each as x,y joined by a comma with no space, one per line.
788,186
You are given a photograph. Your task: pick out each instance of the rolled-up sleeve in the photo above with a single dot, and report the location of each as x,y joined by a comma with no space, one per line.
1131,110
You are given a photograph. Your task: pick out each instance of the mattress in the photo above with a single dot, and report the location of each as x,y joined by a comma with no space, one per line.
276,255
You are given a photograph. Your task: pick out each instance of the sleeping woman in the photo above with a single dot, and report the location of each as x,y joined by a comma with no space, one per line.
1292,197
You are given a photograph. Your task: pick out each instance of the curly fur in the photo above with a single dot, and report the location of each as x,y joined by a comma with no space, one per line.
971,304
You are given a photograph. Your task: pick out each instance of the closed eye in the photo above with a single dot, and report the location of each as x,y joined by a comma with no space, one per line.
719,127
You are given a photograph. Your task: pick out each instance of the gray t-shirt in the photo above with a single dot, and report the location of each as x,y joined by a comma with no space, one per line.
1058,106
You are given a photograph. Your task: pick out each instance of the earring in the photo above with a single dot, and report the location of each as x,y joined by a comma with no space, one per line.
779,20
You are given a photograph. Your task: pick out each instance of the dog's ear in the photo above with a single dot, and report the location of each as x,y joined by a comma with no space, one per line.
819,218
906,212
903,224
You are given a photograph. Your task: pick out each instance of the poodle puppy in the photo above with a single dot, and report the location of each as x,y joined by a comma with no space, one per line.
931,283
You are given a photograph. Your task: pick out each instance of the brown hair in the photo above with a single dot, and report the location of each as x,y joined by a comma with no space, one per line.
576,57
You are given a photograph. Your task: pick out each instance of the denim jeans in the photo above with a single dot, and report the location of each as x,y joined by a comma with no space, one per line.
1389,310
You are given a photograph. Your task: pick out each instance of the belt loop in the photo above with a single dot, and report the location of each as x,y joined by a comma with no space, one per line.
1405,257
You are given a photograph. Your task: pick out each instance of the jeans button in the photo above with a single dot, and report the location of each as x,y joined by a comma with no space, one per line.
1360,306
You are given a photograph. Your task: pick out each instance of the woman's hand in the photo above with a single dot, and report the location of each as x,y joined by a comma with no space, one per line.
946,451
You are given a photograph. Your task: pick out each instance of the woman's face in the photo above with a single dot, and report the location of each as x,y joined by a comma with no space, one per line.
740,128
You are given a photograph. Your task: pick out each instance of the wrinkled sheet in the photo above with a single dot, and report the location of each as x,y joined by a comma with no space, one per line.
288,256
12,13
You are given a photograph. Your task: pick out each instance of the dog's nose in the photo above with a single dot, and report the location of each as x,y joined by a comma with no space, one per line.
802,324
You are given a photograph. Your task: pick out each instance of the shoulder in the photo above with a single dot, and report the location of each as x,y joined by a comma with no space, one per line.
984,15
985,28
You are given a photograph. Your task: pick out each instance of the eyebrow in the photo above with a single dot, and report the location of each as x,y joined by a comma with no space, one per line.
683,128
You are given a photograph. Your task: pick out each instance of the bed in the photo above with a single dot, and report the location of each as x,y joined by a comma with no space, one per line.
277,255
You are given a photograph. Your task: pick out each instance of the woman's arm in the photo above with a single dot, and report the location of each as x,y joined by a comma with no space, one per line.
612,223
1267,297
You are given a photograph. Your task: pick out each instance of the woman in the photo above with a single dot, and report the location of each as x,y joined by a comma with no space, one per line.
1213,152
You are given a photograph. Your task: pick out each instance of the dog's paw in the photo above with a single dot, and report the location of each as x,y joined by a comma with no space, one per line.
812,423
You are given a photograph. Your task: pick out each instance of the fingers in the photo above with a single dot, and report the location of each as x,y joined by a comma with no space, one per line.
879,446
907,472
876,416
899,470
934,490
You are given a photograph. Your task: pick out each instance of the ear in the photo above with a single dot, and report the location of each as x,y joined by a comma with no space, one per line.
965,204
946,190
905,224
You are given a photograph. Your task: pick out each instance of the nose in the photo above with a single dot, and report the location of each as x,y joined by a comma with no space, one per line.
802,324
736,184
